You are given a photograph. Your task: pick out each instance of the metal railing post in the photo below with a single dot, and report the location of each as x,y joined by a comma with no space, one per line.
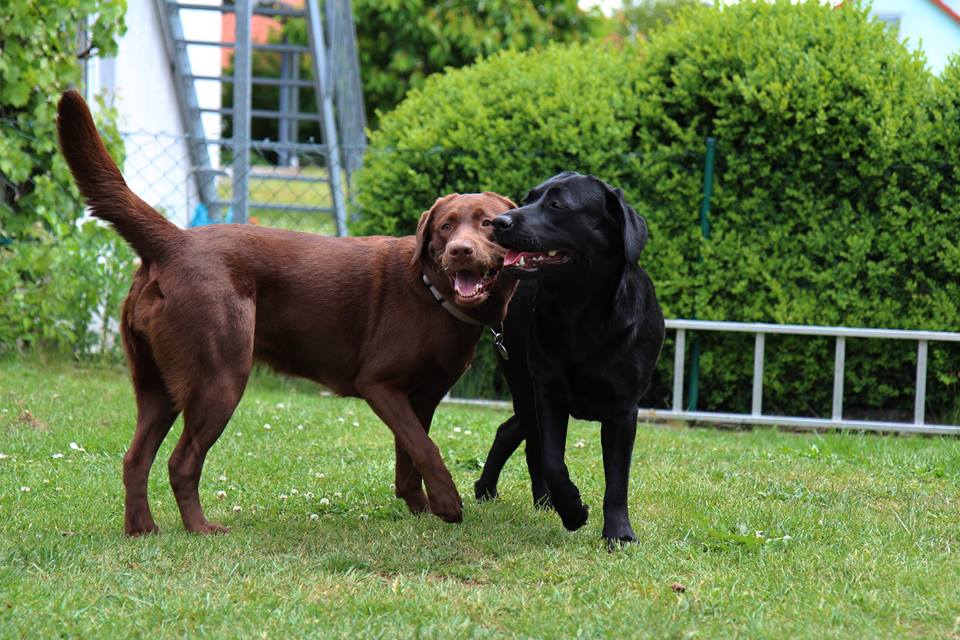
678,369
241,109
839,362
919,407
756,403
693,390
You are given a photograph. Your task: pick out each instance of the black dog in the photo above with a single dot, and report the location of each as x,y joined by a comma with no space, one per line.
582,339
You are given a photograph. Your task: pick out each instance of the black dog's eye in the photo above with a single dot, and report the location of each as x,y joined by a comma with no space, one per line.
486,223
556,204
446,226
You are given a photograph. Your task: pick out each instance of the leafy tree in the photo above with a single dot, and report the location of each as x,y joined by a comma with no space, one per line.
638,18
401,42
54,275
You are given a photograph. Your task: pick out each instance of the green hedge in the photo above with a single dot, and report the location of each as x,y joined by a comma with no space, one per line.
834,199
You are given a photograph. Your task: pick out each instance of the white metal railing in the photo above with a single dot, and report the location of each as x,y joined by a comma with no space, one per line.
756,415
836,420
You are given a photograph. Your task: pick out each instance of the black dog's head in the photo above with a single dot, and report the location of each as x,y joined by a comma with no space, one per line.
570,219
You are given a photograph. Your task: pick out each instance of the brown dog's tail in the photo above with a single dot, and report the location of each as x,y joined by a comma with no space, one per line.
151,235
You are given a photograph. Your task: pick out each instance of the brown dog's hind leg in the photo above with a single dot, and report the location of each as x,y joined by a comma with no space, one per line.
155,415
204,418
409,482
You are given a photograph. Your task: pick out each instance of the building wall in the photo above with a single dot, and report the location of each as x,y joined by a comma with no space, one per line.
139,84
924,26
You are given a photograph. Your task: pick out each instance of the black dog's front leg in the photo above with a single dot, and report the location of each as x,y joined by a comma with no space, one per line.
509,436
552,421
617,437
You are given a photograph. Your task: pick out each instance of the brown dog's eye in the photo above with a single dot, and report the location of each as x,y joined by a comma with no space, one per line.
446,226
486,223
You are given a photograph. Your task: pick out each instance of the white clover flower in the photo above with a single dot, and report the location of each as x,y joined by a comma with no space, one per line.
324,501
580,444
57,456
221,494
457,429
294,491
237,508
283,497
3,456
318,475
308,495
356,424
24,489
280,405
239,433
76,447
299,427
267,426
314,517
337,494
223,478
468,432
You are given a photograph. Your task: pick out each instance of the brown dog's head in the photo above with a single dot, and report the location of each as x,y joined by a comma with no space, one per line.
456,234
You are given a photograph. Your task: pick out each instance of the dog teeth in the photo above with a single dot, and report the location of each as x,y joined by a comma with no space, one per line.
552,253
521,261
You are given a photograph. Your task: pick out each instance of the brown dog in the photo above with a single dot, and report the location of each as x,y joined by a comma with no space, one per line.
351,313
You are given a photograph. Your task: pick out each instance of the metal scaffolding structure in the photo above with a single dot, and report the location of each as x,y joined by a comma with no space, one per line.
335,80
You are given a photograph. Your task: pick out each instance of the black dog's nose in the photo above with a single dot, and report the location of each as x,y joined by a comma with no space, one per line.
502,222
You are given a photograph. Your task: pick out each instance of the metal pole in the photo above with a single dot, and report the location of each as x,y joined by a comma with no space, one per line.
678,370
839,362
283,123
756,405
241,109
325,105
919,407
693,390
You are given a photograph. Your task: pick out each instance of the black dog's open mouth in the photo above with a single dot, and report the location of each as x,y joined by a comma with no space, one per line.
533,260
471,287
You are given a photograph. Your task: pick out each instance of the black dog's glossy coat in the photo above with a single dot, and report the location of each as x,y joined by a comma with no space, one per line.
583,340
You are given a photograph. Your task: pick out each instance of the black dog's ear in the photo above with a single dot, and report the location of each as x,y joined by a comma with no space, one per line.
423,227
632,224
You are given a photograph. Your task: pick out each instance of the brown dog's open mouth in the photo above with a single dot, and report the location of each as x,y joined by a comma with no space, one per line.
533,260
471,287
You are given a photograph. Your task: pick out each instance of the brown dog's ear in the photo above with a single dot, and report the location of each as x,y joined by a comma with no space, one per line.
505,200
423,227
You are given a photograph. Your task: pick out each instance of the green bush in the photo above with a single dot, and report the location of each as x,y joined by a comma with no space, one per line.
56,277
830,205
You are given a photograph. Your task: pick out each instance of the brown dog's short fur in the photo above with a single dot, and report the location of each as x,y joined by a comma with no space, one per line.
350,313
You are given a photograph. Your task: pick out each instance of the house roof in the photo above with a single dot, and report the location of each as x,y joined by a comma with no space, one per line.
952,11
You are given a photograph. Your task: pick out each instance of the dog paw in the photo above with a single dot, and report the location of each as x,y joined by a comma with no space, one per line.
135,531
543,502
417,502
574,517
447,507
206,528
484,492
617,537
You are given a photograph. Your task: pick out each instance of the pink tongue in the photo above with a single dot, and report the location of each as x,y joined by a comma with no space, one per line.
465,283
513,256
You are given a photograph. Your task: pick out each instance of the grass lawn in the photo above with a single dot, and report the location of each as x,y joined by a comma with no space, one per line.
772,534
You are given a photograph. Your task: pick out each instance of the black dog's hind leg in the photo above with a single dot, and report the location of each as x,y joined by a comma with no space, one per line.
617,438
509,436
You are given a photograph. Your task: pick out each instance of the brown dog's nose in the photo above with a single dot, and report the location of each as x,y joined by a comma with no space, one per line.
460,249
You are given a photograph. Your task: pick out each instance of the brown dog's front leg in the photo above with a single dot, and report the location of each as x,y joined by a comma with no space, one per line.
393,407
